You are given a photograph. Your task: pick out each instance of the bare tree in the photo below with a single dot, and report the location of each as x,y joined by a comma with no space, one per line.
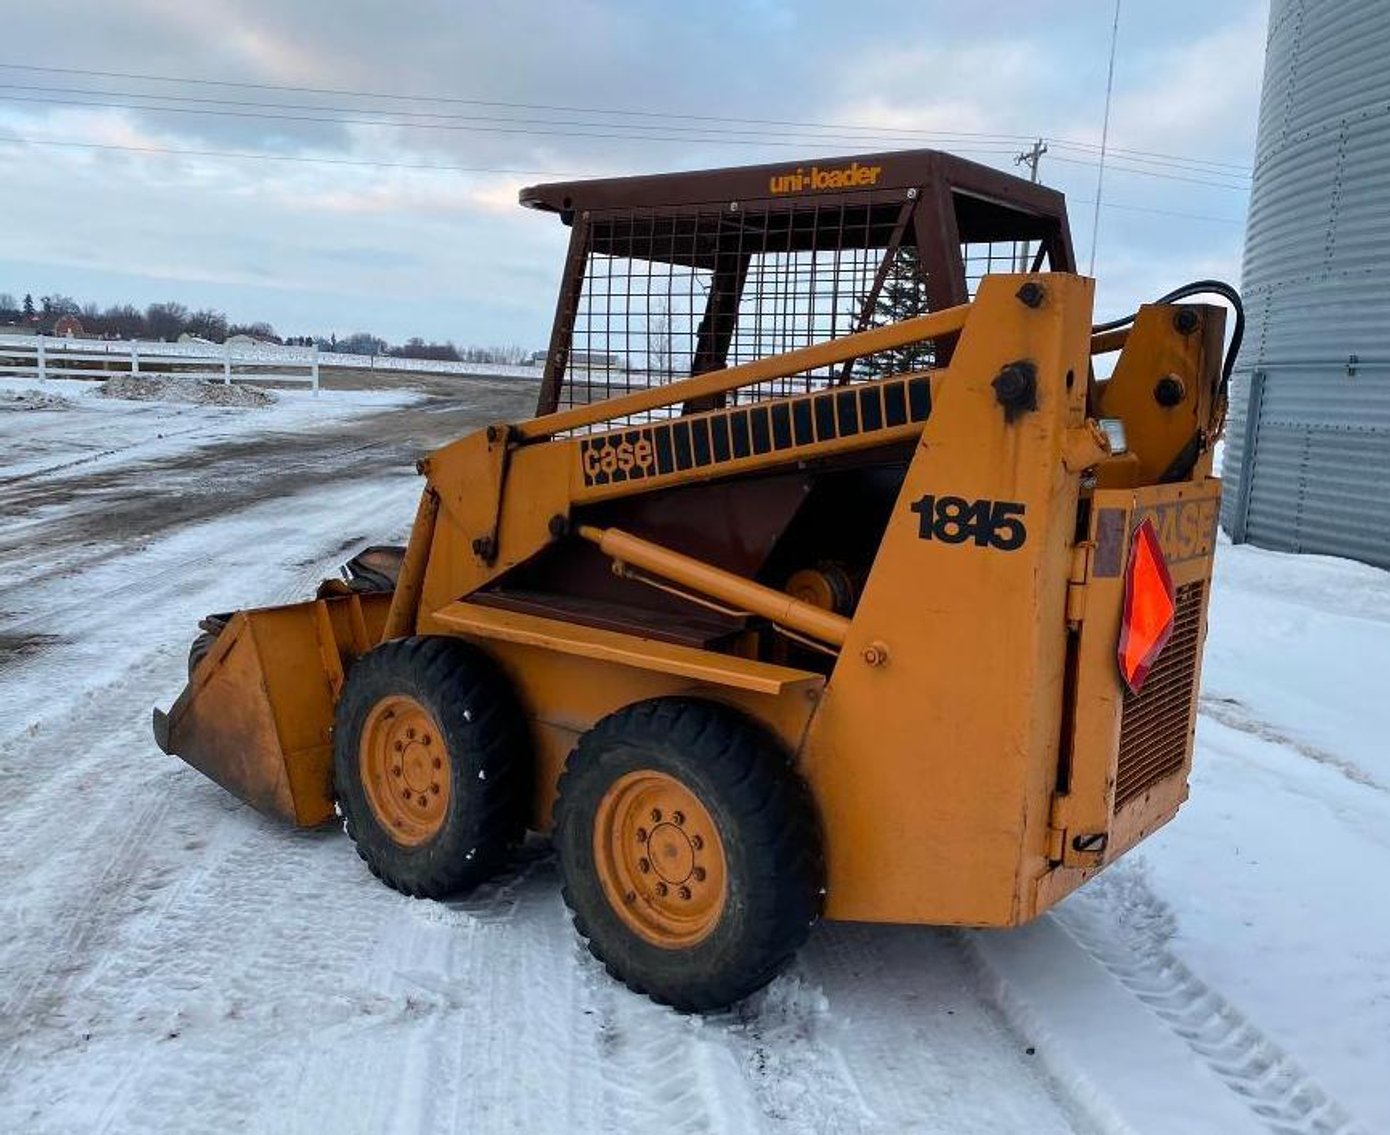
659,348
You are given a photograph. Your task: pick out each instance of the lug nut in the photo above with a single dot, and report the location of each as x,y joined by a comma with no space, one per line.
698,874
422,801
641,835
395,770
435,789
630,897
424,738
405,795
410,733
660,890
644,865
656,815
438,763
696,842
399,746
684,892
678,818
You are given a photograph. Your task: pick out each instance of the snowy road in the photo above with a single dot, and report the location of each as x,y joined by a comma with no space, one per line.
177,963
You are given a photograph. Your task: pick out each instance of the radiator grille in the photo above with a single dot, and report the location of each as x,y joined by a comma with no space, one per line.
1155,723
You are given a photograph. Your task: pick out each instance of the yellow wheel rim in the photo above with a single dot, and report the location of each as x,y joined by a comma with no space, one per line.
405,770
660,859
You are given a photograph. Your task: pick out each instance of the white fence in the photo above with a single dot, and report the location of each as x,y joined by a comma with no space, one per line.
44,357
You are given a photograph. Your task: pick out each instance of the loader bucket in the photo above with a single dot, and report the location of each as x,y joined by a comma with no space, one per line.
257,714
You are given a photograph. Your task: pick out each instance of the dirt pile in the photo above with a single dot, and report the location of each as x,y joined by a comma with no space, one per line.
32,400
193,392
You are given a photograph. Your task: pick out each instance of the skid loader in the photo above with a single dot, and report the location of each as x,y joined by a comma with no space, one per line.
829,581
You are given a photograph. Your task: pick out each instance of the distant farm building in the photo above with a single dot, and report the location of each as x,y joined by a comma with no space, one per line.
582,360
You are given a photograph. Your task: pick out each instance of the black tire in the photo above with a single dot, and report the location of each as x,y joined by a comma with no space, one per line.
199,650
766,823
489,763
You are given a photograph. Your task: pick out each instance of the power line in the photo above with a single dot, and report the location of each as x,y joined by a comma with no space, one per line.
856,128
256,156
568,132
458,100
1197,165
434,116
444,168
1157,212
1153,173
1104,136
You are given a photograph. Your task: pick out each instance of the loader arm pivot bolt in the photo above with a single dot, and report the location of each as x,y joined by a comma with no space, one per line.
1169,391
1016,389
1185,321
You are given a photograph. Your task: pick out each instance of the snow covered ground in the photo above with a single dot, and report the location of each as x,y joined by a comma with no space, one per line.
173,962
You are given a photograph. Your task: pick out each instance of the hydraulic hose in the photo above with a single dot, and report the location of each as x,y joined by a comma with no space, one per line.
1200,288
1182,464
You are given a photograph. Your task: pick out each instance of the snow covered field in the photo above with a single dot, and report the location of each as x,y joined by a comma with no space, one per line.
173,962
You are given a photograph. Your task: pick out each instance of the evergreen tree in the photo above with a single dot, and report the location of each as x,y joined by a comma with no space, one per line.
903,295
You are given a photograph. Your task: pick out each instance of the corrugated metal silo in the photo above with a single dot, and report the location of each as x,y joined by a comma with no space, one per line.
1308,459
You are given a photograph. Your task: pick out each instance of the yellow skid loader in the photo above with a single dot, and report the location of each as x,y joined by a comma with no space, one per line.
829,581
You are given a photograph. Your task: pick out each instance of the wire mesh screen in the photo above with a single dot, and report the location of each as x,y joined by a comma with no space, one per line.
671,293
982,258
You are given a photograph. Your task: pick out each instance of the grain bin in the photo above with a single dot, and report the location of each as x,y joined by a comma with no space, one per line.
1308,464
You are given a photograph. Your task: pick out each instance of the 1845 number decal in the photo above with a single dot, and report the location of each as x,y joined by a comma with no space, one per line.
955,520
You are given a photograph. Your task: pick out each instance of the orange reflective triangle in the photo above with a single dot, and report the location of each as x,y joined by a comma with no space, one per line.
1149,607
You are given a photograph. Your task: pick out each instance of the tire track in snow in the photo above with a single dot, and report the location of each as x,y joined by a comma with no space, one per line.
190,1028
72,934
1121,923
543,1012
32,475
77,916
1235,714
928,1048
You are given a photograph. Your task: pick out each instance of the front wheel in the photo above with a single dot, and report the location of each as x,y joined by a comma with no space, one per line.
431,764
689,850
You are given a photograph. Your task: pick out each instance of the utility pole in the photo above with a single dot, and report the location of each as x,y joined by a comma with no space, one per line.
1030,158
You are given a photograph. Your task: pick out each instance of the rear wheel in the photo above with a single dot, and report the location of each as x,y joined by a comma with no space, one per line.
431,764
689,850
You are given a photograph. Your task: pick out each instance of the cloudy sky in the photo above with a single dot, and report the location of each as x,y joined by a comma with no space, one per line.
342,165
